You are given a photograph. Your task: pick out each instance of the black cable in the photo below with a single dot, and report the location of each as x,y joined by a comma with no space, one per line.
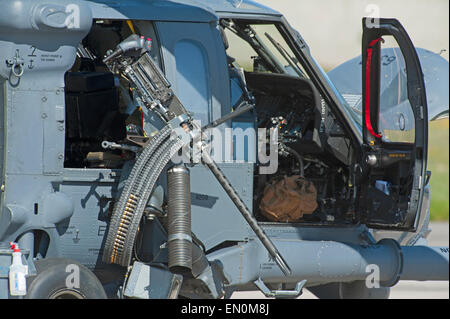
298,157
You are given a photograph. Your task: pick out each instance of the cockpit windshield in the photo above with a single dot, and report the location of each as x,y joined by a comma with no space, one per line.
261,48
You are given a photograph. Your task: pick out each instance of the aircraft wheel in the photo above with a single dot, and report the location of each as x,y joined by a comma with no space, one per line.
59,278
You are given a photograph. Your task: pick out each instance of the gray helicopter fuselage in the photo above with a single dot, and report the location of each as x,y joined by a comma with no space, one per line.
55,209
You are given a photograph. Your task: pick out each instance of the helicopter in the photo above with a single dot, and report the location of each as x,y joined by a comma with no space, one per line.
191,149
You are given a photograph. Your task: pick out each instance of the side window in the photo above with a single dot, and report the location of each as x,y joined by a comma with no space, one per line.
396,122
192,76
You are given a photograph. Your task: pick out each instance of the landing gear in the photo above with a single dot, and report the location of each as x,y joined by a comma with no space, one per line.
59,278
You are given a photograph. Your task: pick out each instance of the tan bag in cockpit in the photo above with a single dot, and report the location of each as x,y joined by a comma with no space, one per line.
288,199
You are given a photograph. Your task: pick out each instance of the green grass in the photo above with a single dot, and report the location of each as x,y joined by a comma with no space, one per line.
438,164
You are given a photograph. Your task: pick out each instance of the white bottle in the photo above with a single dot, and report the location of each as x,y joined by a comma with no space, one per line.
17,273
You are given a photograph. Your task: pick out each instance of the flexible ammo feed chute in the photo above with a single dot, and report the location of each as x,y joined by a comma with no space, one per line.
129,209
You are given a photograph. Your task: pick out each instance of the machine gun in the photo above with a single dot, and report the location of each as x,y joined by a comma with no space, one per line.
131,59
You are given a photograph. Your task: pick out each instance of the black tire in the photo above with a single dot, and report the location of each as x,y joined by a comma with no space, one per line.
50,281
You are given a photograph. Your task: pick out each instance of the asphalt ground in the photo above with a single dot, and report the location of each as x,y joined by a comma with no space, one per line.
405,289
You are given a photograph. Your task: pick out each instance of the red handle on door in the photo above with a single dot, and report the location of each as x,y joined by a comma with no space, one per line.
367,101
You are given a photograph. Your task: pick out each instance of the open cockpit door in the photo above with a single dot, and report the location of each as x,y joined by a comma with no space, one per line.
395,127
